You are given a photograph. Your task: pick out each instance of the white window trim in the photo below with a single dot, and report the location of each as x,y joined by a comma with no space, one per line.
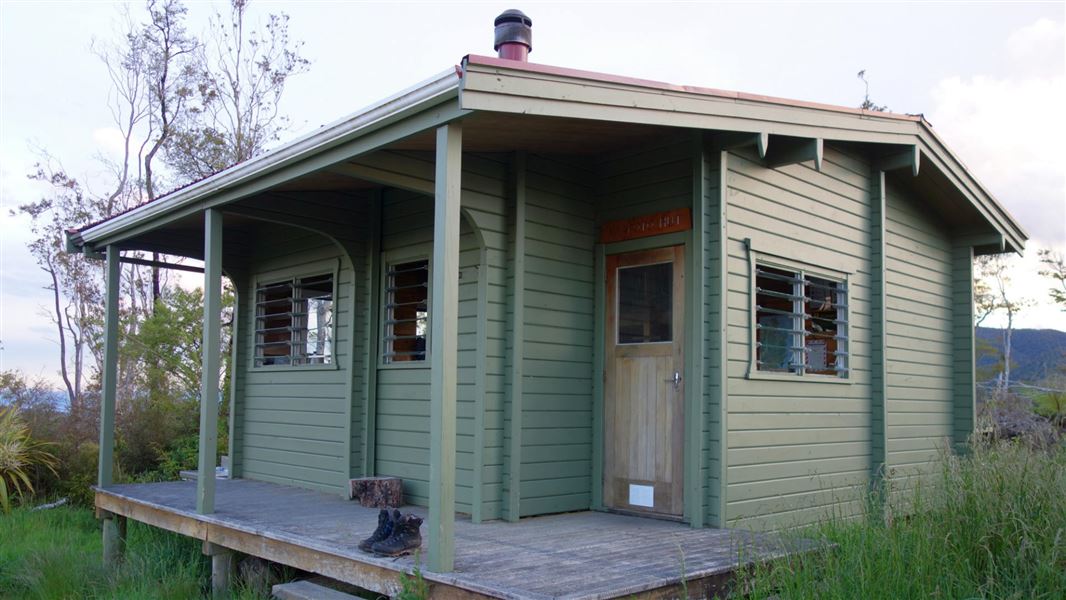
313,269
388,259
767,259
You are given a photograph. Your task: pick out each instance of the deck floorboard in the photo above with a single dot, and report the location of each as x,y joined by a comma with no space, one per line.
578,556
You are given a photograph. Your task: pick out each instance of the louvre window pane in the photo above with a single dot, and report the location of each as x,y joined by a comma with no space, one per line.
294,322
800,323
406,312
777,325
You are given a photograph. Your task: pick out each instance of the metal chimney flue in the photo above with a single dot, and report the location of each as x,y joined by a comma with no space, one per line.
514,35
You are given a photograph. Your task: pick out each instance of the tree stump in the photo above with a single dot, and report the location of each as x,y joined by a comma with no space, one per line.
378,492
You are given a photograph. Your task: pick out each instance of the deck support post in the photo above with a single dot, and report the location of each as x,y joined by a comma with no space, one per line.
209,389
114,531
444,329
222,563
109,387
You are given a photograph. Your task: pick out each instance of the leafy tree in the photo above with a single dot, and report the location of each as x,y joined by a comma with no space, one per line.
169,342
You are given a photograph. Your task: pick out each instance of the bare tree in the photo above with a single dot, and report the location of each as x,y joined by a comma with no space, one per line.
142,100
995,271
171,57
166,102
246,69
73,280
172,66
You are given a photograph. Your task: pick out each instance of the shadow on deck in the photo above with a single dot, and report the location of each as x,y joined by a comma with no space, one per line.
586,555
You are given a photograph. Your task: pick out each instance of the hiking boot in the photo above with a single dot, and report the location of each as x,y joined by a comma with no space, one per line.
405,537
386,523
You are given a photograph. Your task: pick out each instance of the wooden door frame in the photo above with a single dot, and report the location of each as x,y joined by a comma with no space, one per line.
669,493
693,402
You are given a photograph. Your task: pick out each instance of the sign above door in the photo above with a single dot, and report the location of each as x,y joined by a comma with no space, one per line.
669,221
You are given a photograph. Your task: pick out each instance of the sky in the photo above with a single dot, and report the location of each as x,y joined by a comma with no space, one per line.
989,76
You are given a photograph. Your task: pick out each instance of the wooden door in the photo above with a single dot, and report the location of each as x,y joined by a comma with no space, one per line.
644,386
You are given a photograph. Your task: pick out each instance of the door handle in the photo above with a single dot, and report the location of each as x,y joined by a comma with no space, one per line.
676,380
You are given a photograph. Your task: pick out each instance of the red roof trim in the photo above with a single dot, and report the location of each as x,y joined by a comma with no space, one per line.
491,61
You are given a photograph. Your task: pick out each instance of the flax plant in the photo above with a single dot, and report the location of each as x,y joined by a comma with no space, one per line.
19,456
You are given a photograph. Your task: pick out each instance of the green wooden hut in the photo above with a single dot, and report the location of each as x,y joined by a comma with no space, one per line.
526,289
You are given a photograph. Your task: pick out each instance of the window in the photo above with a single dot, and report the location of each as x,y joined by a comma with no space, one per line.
645,303
800,322
406,311
294,321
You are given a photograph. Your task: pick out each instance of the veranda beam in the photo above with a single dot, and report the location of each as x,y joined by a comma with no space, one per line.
209,391
162,265
105,472
444,329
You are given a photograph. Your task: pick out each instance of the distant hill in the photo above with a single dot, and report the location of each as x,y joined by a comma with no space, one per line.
1036,352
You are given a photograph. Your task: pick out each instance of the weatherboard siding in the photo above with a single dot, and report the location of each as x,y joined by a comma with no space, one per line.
294,421
408,224
919,336
797,449
556,403
485,205
402,413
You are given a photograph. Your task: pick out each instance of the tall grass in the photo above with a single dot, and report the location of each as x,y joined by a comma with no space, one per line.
991,524
56,554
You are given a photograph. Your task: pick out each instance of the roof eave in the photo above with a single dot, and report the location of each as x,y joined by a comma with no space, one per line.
1013,234
430,92
724,110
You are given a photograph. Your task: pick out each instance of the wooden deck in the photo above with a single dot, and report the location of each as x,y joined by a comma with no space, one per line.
586,555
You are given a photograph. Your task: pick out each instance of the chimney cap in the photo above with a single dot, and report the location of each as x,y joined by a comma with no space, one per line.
514,34
513,15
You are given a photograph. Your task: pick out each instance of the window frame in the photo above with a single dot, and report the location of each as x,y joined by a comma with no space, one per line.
312,269
804,269
388,259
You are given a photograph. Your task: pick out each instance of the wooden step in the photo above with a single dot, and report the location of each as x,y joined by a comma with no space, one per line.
307,589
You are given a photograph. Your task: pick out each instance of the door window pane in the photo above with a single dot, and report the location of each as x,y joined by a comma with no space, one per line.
645,303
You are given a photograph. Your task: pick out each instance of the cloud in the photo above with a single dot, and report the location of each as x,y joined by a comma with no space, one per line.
1008,129
1038,46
